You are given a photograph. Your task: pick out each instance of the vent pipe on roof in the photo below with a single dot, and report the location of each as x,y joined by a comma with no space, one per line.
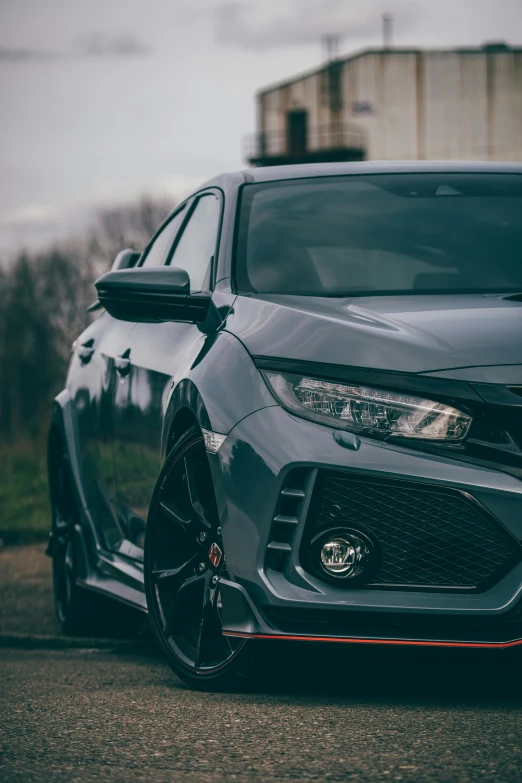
331,46
387,31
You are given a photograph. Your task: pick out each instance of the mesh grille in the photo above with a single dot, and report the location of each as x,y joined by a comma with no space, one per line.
428,536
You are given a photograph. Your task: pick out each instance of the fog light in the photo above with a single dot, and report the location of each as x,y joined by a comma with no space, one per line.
344,556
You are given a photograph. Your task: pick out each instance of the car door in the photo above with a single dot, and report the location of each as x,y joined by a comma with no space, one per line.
133,466
156,355
90,383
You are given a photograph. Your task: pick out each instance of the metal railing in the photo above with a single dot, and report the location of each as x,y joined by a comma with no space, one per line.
275,144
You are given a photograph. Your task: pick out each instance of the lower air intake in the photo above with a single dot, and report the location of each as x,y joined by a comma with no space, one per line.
428,536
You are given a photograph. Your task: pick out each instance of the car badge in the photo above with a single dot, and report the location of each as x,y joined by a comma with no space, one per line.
214,555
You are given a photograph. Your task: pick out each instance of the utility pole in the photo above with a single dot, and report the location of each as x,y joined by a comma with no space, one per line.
331,46
387,31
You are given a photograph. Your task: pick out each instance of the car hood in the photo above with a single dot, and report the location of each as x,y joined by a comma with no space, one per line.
414,333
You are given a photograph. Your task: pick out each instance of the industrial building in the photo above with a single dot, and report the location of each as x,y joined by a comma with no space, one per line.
395,104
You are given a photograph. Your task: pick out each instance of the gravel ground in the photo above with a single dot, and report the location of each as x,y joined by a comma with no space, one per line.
82,715
26,604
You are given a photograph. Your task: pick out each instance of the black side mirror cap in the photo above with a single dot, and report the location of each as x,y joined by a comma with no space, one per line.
152,295
126,259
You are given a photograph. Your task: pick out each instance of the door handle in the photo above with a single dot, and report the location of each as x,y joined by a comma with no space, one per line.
85,351
123,364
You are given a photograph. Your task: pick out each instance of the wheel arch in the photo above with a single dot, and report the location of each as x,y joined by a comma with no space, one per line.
64,431
55,446
186,408
221,388
64,434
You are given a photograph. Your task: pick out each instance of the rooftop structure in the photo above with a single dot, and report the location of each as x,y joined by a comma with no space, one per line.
395,104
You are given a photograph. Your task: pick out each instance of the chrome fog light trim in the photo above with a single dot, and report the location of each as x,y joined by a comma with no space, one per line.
344,556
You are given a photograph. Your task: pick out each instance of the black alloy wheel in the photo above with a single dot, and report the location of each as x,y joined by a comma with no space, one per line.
184,561
70,602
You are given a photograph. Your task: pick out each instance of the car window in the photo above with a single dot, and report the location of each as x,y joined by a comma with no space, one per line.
382,234
159,250
370,269
197,246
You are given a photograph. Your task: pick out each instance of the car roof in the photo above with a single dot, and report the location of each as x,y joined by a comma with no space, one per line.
304,170
270,173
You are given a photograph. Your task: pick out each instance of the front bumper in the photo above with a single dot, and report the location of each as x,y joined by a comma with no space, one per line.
271,594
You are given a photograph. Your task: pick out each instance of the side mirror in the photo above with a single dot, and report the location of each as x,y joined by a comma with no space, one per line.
125,259
152,295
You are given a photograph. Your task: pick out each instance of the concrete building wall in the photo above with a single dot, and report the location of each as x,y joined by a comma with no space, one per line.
413,105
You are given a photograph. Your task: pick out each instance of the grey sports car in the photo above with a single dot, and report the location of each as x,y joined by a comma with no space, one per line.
299,416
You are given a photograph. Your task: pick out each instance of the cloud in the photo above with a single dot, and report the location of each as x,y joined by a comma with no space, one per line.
31,213
93,44
98,44
295,22
24,55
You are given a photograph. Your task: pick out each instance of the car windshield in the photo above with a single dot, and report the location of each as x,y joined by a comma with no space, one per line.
382,234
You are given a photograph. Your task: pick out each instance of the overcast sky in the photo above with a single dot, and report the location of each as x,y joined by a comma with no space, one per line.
104,100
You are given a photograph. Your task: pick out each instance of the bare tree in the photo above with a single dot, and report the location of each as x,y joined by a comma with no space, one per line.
43,308
125,226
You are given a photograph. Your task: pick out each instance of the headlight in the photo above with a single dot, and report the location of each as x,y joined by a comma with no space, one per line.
372,411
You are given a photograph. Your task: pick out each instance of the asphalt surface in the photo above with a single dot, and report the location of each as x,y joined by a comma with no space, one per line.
91,715
120,714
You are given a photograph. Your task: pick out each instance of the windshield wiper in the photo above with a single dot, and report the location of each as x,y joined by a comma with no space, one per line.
513,297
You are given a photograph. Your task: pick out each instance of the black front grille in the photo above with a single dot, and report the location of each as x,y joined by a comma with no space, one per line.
428,536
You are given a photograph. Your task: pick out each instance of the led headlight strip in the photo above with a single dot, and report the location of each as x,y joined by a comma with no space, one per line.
368,410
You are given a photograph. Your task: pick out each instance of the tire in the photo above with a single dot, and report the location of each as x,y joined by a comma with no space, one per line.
75,607
80,612
181,582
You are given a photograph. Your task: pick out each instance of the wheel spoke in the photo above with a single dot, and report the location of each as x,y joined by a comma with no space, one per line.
227,641
210,627
191,527
178,574
192,489
174,515
181,608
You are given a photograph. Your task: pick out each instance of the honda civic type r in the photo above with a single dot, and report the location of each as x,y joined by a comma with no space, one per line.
298,416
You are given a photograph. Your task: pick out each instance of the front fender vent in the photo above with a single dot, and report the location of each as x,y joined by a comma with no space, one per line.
286,519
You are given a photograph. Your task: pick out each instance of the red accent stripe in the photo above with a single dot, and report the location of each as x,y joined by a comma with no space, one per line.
290,637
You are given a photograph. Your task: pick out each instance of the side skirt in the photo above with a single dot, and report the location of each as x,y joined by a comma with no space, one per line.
116,591
119,577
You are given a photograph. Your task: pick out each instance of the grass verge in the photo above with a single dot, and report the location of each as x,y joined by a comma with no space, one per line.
24,498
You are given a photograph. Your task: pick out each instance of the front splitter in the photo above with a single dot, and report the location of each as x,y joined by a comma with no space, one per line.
356,640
